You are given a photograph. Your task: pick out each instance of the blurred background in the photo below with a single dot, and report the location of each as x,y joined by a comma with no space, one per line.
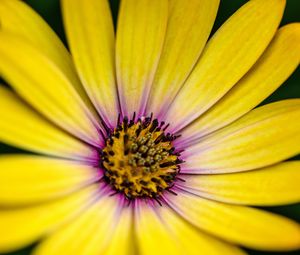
50,11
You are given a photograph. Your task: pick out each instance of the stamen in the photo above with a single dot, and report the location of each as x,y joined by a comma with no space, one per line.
157,200
139,158
180,179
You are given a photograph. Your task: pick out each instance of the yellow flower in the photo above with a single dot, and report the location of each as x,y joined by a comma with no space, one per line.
143,146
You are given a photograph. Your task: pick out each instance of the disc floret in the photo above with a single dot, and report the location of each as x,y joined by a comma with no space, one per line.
139,159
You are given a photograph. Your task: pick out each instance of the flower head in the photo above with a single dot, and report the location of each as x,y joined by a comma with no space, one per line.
148,143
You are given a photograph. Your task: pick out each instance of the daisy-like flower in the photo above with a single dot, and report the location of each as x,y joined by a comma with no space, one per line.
144,144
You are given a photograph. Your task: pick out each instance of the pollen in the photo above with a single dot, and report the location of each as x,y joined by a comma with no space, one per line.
139,159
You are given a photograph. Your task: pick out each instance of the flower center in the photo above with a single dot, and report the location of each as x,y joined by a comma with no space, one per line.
139,159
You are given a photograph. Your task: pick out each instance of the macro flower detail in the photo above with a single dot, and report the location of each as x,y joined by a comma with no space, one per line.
148,138
139,159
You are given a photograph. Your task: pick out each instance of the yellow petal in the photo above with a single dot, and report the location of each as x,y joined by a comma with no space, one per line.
22,127
244,226
140,36
152,236
91,233
161,231
273,185
22,226
276,64
189,26
264,136
31,179
90,34
18,18
230,53
37,79
122,241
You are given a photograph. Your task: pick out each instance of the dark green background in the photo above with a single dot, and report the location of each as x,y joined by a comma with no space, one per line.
50,10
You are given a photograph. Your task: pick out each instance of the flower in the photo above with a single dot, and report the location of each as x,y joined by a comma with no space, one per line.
146,146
